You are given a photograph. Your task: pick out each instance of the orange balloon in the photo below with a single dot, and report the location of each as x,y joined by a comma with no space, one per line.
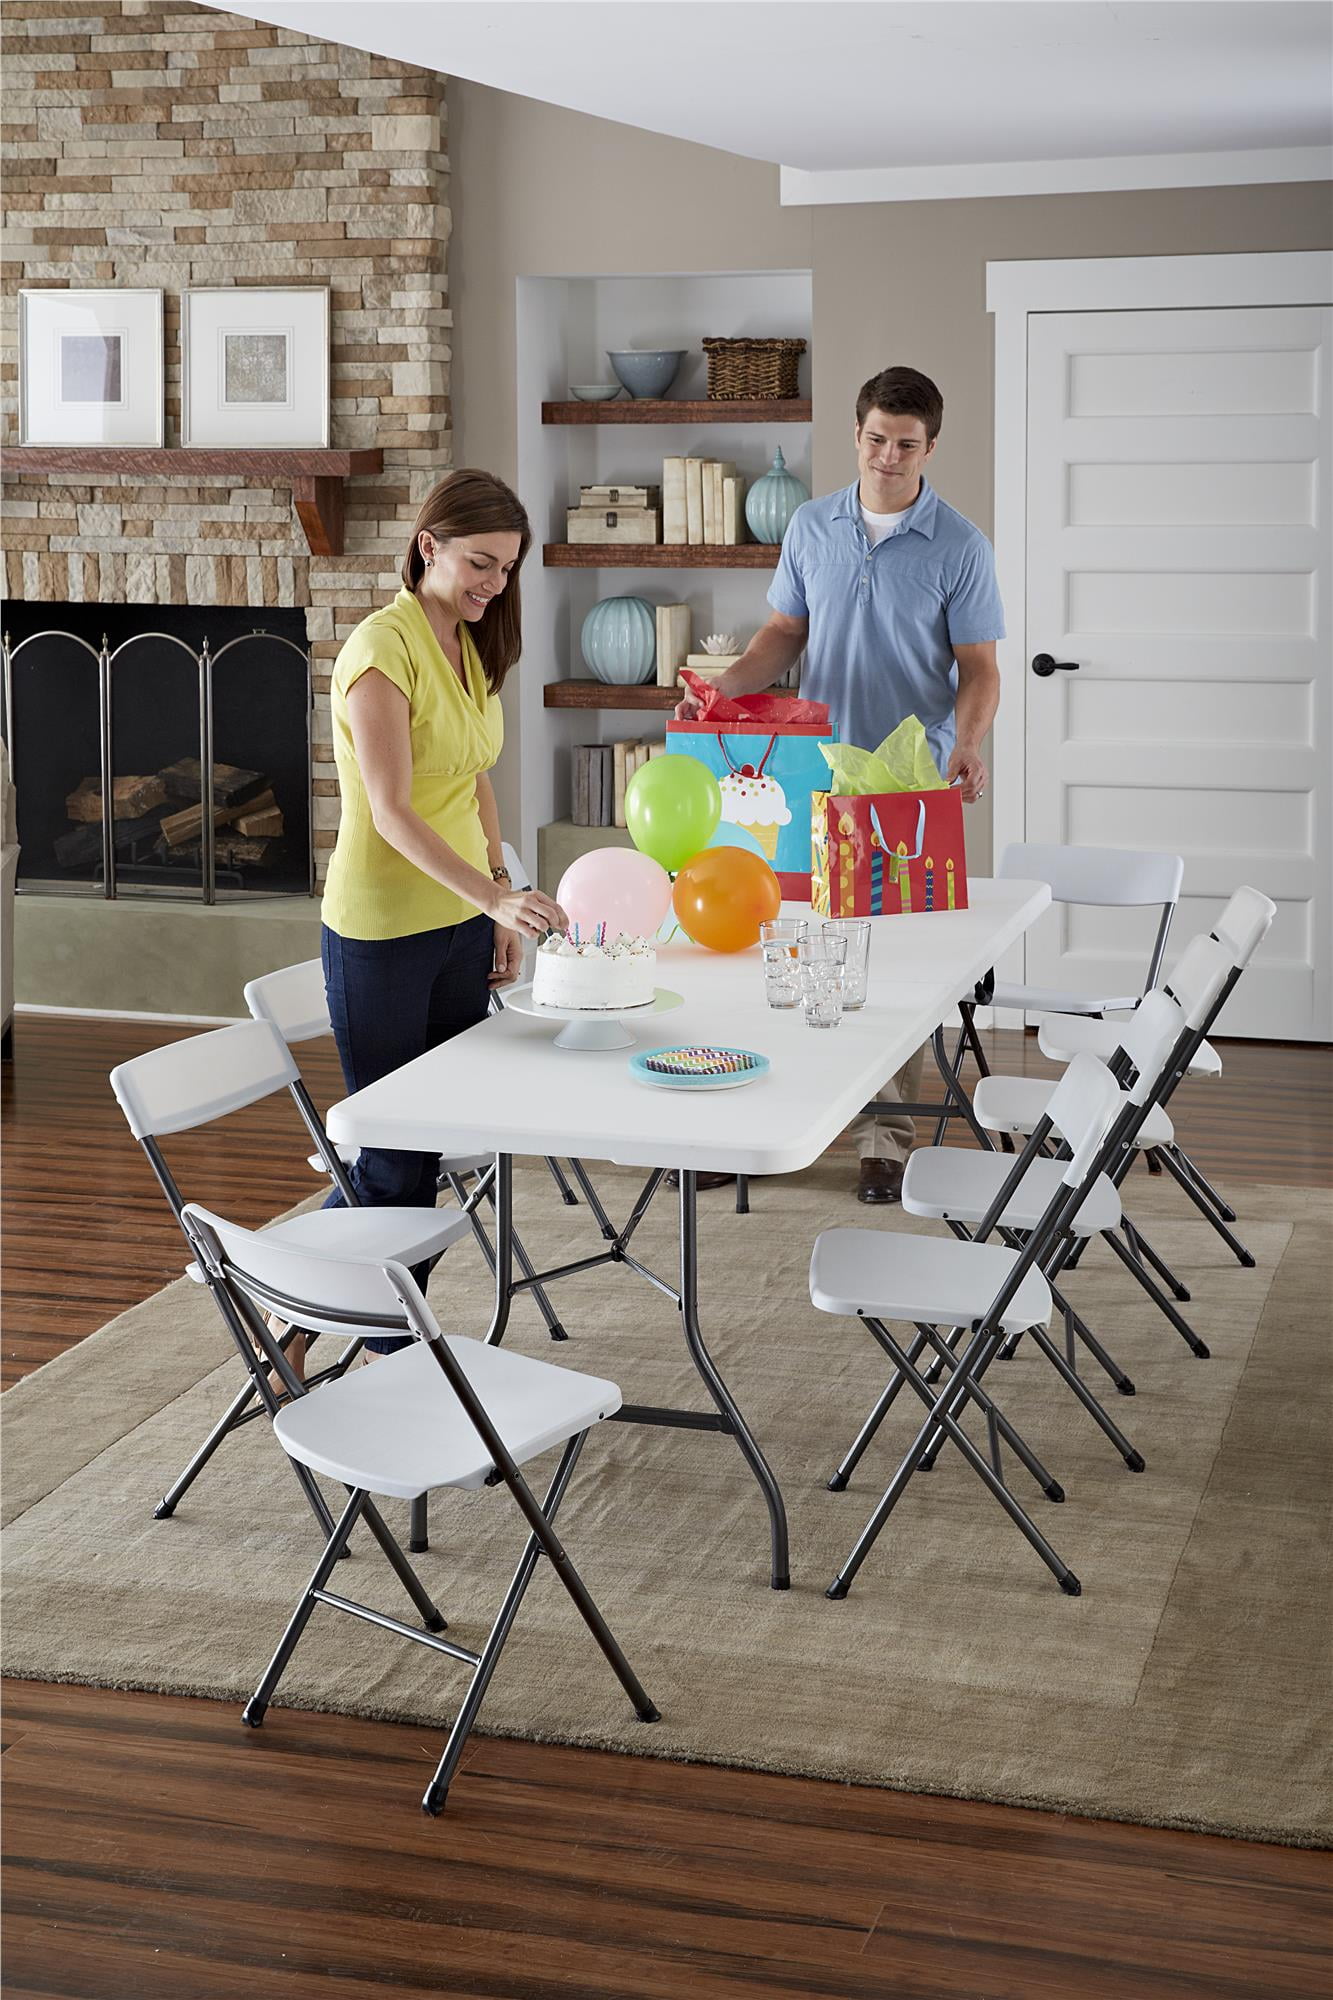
722,897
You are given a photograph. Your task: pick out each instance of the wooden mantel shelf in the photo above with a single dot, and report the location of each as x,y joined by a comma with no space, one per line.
315,477
660,555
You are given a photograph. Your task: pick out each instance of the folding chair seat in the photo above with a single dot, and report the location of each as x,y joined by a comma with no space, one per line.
446,1411
193,1082
878,1275
858,1271
948,1184
1017,1104
1063,1036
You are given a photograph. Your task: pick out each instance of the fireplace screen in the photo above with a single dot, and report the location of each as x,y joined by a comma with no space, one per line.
159,750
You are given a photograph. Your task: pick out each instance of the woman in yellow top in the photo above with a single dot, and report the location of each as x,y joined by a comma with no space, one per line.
421,920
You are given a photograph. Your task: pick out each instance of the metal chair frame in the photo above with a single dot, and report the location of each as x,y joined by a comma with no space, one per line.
417,1322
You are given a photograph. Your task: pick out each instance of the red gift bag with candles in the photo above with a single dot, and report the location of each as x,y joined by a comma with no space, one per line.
887,837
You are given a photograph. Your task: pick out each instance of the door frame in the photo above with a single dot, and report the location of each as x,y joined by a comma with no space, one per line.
1088,284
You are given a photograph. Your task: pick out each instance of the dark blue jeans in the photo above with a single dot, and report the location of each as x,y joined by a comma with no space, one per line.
391,999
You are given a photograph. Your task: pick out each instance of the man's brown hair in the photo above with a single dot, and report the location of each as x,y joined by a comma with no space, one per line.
903,392
468,502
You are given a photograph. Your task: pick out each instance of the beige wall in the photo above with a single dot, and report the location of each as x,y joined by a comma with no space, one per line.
540,191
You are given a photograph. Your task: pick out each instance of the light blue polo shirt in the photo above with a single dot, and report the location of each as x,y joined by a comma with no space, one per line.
884,621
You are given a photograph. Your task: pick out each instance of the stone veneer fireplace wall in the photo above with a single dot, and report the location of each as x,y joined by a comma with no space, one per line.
149,143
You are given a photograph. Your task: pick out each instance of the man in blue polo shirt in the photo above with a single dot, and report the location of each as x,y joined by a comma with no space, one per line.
892,597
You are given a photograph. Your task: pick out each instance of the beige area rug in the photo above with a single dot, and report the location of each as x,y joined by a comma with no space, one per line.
1183,1688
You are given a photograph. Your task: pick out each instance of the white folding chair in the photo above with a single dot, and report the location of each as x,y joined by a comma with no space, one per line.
1242,927
443,1411
1105,877
191,1083
294,1001
1202,981
989,1290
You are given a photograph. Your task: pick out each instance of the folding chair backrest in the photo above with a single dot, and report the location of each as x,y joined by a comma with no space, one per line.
519,876
1200,974
192,1082
328,1294
293,999
1113,877
1082,1108
1148,1037
1244,924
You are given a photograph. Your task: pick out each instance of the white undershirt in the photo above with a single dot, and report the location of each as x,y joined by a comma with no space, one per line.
877,526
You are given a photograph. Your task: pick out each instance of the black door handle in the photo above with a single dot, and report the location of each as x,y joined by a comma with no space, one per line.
1045,664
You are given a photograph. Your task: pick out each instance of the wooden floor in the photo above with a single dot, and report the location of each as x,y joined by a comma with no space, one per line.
155,1848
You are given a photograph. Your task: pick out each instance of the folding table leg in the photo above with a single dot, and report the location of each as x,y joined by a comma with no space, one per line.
780,1572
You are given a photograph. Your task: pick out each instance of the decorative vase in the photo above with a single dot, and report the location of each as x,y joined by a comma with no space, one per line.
619,640
772,500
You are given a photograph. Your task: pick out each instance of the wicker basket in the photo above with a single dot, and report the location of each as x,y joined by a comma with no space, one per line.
752,370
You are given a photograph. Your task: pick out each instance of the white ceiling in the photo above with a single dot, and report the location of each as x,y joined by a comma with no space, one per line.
865,98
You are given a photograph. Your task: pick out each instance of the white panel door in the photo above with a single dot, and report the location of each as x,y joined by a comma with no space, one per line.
1178,567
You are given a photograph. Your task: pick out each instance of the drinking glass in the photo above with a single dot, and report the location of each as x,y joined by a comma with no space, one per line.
782,972
823,973
856,930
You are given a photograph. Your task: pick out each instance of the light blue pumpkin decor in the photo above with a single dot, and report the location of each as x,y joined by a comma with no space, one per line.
772,500
619,640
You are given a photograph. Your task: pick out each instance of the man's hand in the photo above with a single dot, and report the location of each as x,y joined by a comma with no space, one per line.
508,957
688,708
966,767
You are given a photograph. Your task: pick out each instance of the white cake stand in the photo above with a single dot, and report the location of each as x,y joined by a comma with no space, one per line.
590,1029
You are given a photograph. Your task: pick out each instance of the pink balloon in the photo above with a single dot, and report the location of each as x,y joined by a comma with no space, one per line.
616,886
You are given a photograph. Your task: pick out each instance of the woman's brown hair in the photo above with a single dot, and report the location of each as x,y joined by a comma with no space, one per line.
468,502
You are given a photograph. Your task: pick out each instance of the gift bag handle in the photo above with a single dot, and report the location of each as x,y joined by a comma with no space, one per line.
915,855
722,746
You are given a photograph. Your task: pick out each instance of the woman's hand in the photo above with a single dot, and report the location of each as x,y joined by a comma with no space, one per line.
526,911
508,958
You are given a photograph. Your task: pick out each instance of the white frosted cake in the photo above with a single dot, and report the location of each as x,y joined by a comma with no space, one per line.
595,977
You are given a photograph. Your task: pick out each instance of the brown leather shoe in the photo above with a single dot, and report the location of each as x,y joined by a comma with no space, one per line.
702,1181
880,1181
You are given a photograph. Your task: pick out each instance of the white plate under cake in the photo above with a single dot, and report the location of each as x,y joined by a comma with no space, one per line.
595,978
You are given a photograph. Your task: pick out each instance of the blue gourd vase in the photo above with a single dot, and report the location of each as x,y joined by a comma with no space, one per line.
619,640
772,500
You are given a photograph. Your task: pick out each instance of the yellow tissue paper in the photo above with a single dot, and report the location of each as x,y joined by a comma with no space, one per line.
902,763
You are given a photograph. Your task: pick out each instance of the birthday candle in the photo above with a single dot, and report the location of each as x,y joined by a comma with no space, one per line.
948,883
876,875
904,880
930,882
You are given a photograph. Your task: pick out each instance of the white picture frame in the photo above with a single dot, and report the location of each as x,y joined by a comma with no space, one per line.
90,366
255,367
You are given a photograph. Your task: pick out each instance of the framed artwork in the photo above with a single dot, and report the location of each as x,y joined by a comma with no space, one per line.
90,367
255,366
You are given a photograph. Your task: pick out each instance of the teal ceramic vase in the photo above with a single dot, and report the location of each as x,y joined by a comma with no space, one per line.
772,500
619,640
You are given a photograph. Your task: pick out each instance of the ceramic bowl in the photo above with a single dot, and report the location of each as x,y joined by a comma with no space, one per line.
594,392
646,371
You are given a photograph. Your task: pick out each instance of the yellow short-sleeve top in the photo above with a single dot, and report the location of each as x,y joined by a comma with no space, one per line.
372,891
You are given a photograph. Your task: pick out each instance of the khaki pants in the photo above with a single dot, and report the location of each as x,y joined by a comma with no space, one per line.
880,1138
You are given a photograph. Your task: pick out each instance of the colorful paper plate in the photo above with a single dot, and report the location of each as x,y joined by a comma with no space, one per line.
713,1068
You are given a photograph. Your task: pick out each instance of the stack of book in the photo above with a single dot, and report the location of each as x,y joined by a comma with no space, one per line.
601,772
616,514
703,502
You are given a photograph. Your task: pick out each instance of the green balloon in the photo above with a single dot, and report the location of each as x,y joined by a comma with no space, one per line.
672,807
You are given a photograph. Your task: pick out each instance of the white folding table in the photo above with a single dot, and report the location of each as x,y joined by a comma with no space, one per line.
503,1087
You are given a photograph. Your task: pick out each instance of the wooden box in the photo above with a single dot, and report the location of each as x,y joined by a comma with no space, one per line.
620,496
614,524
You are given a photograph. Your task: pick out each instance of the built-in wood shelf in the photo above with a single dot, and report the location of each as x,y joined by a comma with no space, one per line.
605,694
660,555
653,410
315,477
